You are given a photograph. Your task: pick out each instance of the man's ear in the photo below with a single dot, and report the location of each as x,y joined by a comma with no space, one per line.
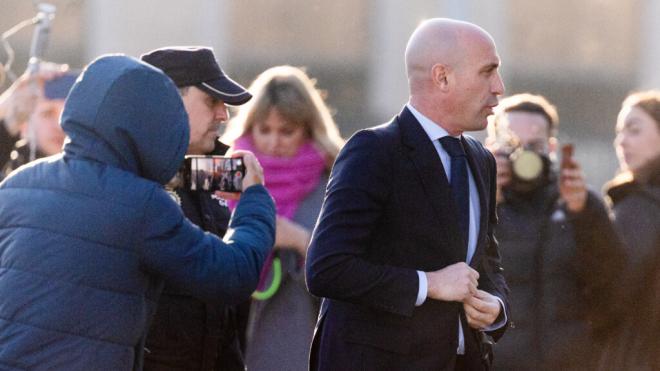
440,75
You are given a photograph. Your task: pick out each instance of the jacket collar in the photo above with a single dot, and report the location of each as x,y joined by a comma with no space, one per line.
436,185
647,180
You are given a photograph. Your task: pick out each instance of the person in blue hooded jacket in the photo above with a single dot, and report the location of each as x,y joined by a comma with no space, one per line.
87,237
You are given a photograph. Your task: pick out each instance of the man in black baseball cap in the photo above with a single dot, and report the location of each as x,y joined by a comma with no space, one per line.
186,333
196,66
205,91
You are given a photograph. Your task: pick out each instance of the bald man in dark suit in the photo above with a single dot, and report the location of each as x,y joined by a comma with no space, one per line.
403,253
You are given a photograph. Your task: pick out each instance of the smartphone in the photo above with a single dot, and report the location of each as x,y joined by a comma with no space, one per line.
213,173
567,151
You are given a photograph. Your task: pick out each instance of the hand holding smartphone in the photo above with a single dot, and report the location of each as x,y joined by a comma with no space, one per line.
572,186
567,161
213,173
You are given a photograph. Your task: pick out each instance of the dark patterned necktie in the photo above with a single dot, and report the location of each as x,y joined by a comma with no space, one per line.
460,189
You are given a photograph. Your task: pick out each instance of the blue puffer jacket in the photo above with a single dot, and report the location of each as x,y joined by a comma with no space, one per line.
87,237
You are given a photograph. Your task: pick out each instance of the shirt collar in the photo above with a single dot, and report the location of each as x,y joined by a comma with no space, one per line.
432,129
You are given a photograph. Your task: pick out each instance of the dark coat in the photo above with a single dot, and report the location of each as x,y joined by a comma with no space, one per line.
636,207
187,333
555,261
19,156
292,312
87,237
633,343
389,212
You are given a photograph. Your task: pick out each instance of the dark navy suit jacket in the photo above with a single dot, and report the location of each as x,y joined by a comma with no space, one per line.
389,212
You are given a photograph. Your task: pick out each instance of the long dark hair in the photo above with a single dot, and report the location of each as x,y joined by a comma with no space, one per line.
648,101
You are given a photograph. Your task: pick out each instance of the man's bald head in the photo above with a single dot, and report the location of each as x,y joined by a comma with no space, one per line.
453,75
439,41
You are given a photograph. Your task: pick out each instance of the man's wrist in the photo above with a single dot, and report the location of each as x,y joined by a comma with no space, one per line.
423,289
501,318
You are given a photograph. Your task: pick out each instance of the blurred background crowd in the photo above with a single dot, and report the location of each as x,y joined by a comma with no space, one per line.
339,69
585,56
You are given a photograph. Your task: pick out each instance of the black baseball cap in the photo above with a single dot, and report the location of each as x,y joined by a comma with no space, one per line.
196,66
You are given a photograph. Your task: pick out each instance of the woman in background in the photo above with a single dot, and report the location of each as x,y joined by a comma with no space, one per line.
635,192
635,199
291,131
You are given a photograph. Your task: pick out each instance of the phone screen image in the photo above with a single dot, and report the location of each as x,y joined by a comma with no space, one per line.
213,173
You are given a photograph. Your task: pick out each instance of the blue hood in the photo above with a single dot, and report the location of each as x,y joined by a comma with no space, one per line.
127,114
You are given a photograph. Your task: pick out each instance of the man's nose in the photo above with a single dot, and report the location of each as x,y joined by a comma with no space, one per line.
498,87
221,113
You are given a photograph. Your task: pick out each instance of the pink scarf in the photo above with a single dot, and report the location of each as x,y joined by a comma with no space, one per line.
289,180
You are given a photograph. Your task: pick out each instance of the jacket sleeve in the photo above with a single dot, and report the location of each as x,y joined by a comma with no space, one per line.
211,269
491,268
600,260
336,265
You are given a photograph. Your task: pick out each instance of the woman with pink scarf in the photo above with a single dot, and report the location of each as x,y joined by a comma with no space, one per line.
290,130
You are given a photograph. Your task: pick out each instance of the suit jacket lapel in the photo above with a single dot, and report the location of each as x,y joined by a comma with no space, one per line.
476,165
434,180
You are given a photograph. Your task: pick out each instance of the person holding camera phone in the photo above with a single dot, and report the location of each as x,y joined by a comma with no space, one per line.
88,237
556,241
188,333
291,131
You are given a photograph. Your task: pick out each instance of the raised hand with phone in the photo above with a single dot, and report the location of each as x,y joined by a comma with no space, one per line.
572,186
253,174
